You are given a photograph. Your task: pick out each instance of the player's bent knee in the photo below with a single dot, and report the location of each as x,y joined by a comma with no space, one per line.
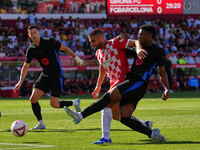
33,100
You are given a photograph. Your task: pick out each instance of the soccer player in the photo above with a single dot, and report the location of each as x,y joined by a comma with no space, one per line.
51,77
130,92
113,62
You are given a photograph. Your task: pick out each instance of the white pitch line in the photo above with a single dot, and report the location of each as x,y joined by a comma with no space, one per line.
20,148
164,109
30,146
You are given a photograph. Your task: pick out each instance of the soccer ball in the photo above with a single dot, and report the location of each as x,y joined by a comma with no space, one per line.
19,128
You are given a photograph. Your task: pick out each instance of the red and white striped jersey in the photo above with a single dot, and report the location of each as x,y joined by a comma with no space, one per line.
113,58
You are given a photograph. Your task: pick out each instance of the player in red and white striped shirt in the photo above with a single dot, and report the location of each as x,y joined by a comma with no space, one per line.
111,55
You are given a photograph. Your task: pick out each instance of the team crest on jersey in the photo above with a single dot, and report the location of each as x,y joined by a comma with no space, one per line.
139,61
45,61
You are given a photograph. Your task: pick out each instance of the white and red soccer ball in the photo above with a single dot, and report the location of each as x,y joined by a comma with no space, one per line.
19,128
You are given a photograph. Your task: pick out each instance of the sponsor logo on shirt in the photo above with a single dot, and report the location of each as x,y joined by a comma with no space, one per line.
45,61
139,62
106,63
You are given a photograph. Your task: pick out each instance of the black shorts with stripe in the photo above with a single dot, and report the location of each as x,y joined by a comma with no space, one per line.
132,91
52,85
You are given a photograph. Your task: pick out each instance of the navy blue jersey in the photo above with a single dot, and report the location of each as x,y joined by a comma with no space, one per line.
142,69
47,55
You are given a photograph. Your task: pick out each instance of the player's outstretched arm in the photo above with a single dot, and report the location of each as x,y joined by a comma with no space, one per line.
165,83
141,53
71,53
23,74
101,77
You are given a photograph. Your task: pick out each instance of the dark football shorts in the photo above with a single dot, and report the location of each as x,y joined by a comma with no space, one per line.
52,85
132,91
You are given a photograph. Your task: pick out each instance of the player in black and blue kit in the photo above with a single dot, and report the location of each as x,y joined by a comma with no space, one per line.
51,77
134,87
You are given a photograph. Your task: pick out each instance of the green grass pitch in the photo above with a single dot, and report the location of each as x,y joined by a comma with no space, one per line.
178,119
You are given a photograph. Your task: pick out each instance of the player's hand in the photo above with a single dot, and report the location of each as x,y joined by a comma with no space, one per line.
79,61
141,53
96,91
17,86
165,95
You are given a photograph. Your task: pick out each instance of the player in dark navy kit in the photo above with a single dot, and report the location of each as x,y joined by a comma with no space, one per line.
51,77
129,92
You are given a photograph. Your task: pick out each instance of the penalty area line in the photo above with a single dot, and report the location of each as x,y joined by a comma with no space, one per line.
26,146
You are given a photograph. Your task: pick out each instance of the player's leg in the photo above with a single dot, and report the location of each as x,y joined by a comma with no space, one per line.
126,119
106,118
108,113
116,115
56,88
75,103
34,98
55,103
148,123
116,111
132,92
136,125
40,87
114,96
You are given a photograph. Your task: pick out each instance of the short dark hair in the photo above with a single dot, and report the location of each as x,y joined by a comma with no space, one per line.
33,27
149,28
96,32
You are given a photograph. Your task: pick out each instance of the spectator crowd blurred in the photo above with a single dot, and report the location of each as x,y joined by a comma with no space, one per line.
179,39
70,87
52,6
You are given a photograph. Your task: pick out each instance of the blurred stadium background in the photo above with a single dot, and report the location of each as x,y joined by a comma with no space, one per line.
70,21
